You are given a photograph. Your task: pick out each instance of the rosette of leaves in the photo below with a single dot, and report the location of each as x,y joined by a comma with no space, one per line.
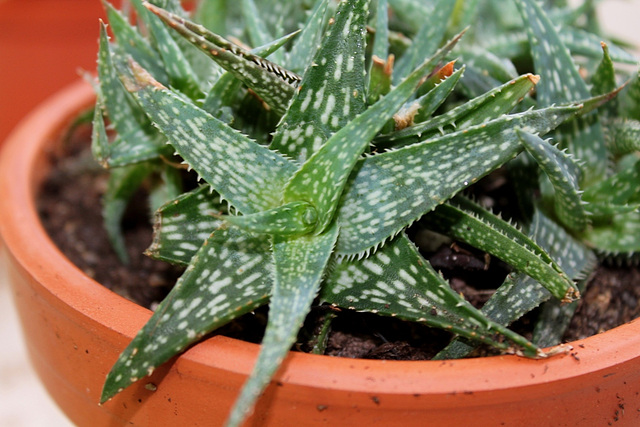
315,160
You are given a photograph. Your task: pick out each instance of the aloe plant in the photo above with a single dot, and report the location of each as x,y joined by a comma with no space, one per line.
314,161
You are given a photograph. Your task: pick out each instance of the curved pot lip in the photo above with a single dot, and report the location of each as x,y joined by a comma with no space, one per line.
25,240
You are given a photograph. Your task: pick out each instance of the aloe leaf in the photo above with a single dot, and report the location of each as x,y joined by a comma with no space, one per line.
381,36
332,92
218,153
135,44
604,81
621,188
563,174
122,185
397,281
588,44
630,103
412,12
181,75
299,267
291,219
520,294
137,140
337,157
490,105
182,225
468,222
272,83
618,236
430,101
306,44
561,82
165,186
426,41
381,65
513,45
225,90
254,25
229,276
623,136
413,180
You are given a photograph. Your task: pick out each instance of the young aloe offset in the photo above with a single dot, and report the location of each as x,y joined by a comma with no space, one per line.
299,203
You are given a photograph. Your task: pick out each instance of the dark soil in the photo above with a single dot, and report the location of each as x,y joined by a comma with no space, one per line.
70,208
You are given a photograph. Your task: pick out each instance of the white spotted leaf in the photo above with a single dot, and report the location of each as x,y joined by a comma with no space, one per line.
322,178
299,268
229,276
389,191
332,91
397,281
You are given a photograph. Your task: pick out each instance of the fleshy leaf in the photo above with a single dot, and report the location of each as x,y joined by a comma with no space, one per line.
181,74
619,236
230,275
123,183
291,219
224,92
272,83
623,136
563,174
305,45
182,225
520,294
426,41
391,190
218,153
336,159
137,140
299,268
604,81
467,222
397,281
430,101
561,82
134,44
488,106
332,92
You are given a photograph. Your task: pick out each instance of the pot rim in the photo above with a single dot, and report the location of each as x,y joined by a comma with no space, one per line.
24,239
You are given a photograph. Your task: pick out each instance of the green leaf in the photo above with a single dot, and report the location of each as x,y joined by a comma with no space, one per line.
137,140
630,102
426,42
229,276
299,267
468,222
397,281
332,92
337,157
618,236
561,82
389,191
182,225
623,136
488,106
272,83
135,44
225,91
430,101
306,44
122,185
291,219
520,294
563,174
181,75
604,81
218,153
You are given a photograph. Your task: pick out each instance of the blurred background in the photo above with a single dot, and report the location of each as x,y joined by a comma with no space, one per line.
44,45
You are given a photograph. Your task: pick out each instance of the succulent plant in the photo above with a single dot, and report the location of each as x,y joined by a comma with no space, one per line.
315,161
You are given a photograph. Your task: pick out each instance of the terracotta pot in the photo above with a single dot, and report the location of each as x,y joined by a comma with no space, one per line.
75,330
